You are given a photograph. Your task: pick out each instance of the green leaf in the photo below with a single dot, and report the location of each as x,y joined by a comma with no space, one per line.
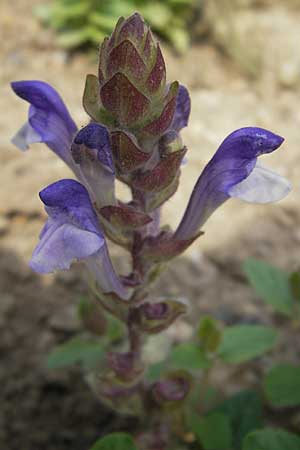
244,411
213,431
295,285
243,342
179,38
74,38
115,441
94,34
74,11
87,352
156,13
43,12
209,334
189,356
103,21
271,284
155,370
282,385
115,329
271,439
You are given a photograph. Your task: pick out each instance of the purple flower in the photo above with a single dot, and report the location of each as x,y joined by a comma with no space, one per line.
71,233
48,120
91,151
182,110
234,172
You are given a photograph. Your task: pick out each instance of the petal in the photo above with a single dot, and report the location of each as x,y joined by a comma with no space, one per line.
231,166
96,137
25,136
100,266
91,151
262,186
72,233
62,244
68,201
183,109
48,117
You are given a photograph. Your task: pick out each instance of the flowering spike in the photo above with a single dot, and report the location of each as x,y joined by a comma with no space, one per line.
133,137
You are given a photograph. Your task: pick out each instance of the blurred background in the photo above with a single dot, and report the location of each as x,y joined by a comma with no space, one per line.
241,61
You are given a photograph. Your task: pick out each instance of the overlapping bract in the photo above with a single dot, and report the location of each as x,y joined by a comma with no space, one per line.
133,136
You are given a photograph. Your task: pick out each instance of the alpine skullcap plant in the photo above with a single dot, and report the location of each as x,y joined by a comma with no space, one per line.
133,136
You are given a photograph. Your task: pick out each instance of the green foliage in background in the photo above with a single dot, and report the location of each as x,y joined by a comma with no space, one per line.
239,418
277,288
87,22
115,441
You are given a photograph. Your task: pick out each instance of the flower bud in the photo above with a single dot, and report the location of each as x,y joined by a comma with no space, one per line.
132,81
156,317
123,400
125,366
156,439
173,389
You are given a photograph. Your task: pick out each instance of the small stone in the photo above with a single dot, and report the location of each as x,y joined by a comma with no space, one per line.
289,75
6,304
65,320
4,223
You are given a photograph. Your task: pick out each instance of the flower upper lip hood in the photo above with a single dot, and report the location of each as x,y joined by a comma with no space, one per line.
95,136
249,142
43,97
70,198
49,120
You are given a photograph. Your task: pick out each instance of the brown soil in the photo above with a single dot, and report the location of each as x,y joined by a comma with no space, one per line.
55,410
